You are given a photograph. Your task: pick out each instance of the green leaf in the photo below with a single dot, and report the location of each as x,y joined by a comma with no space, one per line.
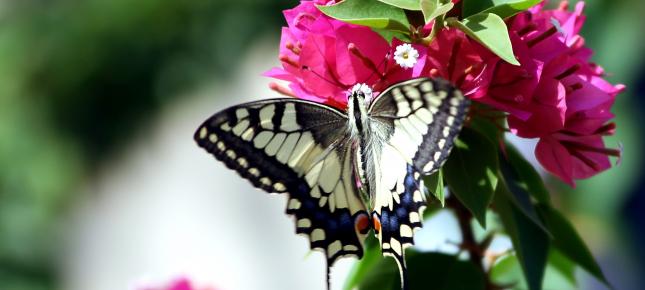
471,172
440,271
567,240
389,35
562,265
489,30
371,259
531,180
529,241
433,8
503,8
404,4
434,183
368,13
559,273
517,191
486,126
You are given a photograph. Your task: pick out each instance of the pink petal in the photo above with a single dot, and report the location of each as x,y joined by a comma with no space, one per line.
555,159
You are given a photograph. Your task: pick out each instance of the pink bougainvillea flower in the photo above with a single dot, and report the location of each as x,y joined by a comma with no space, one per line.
556,94
323,58
462,61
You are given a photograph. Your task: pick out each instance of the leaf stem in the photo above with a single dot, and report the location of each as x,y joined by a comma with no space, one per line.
436,27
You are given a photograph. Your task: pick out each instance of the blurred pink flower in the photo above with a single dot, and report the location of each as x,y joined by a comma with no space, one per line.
181,283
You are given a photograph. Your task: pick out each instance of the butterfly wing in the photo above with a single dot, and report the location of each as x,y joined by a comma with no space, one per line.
299,148
423,117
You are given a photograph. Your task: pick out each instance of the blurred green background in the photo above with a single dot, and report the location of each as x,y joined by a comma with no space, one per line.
80,79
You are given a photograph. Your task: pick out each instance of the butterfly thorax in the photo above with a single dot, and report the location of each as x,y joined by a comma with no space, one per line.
366,140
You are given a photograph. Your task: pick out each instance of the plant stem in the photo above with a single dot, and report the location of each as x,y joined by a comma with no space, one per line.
469,243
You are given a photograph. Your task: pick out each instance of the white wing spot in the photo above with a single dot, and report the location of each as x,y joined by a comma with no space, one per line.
446,131
305,142
212,138
231,154
414,217
304,223
262,139
241,113
412,92
425,87
275,144
266,115
317,235
441,143
334,248
315,192
265,181
289,122
293,203
248,134
330,172
424,115
225,127
437,155
203,132
313,174
433,99
406,231
429,167
350,248
254,171
279,186
287,147
450,120
322,201
221,146
396,246
240,127
242,162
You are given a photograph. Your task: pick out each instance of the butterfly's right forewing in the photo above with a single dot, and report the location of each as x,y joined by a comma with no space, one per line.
300,148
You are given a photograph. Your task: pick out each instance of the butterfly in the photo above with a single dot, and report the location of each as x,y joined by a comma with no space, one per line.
346,173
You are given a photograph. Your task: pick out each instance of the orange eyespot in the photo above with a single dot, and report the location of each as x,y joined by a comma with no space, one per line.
362,224
376,221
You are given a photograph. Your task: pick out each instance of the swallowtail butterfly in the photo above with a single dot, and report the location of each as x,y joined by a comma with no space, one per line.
345,172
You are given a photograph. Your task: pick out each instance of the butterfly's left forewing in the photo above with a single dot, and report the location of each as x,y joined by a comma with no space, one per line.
300,148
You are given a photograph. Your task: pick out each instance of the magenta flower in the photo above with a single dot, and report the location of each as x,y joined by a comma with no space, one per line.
462,61
323,58
556,94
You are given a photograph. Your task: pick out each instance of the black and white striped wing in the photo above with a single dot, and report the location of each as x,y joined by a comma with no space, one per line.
423,117
299,148
427,115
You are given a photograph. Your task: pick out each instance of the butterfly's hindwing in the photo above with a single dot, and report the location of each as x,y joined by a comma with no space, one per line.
295,147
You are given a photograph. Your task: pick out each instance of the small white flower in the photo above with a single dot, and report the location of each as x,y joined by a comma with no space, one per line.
365,89
406,56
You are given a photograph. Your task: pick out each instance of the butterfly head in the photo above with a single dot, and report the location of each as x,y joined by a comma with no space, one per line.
357,101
